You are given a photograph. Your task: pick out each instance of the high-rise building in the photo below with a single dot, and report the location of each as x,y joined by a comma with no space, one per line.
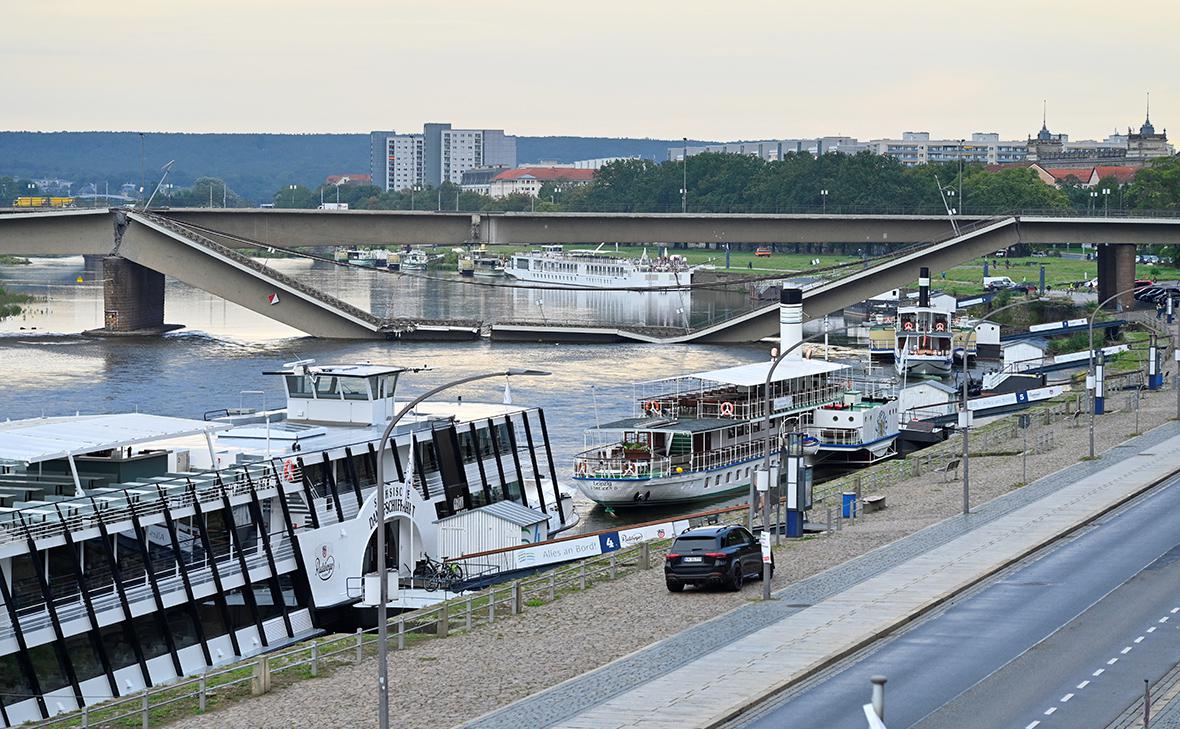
439,154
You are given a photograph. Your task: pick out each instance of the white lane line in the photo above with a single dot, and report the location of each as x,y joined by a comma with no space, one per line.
1151,629
1126,650
1175,610
1139,639
1112,661
1099,672
1032,724
1050,710
1065,698
1164,619
1084,684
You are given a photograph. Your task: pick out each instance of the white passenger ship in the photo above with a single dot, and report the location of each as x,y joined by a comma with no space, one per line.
700,436
598,269
135,549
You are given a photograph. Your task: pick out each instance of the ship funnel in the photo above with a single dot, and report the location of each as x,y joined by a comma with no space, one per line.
924,286
790,321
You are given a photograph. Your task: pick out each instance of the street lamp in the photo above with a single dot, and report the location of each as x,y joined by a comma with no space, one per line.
1093,195
964,412
1090,369
684,181
1106,202
292,189
823,195
382,626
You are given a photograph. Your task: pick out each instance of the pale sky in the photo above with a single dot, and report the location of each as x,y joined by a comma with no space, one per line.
641,68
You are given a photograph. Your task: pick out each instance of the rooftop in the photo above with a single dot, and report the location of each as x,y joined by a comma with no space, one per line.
750,375
546,173
45,439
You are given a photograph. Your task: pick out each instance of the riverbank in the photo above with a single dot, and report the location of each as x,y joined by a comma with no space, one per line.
579,632
10,304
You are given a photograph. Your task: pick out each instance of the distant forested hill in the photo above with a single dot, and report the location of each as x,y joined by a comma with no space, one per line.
255,165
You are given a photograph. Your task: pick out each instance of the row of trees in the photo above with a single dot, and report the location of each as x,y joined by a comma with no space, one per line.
863,183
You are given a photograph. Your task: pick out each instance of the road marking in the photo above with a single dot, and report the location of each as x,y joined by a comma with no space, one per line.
1050,710
1098,672
1164,619
1151,629
1065,698
1112,661
1139,639
1175,610
1033,724
1084,684
1126,650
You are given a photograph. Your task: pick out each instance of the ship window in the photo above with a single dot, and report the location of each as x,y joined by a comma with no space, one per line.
354,388
325,387
180,624
48,670
388,385
298,386
14,686
147,627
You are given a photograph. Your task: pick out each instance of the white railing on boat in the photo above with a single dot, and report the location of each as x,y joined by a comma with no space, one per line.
731,405
603,463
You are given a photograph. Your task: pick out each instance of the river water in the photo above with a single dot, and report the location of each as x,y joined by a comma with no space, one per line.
50,369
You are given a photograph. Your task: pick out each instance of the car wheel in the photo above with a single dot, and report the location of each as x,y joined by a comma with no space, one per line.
738,578
675,586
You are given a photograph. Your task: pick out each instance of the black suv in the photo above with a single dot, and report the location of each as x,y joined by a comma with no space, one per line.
715,555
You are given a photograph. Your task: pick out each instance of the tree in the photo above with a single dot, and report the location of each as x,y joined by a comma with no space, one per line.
1156,187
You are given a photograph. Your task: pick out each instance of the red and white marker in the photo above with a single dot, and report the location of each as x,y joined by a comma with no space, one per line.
272,299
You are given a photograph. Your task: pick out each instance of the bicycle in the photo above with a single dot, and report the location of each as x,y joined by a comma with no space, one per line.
437,574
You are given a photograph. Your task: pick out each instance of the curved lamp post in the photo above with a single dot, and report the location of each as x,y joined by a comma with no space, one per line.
1090,368
382,627
963,405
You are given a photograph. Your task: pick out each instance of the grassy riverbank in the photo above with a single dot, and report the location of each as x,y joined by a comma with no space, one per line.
10,303
13,261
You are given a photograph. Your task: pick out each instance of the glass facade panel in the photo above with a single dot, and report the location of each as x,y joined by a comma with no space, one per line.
49,673
14,686
82,655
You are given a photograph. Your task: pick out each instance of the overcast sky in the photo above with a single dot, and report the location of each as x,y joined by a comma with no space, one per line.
734,70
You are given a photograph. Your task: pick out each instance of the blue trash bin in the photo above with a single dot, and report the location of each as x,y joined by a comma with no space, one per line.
848,504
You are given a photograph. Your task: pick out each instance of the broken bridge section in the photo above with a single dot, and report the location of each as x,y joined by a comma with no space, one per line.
168,248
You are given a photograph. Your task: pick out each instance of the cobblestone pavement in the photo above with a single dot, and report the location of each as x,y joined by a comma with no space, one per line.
447,682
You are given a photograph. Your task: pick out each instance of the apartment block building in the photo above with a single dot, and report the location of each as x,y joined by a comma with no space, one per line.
439,154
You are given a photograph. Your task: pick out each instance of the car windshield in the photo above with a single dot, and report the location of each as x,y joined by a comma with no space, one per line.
694,543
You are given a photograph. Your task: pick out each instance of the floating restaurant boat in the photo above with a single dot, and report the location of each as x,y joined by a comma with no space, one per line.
700,436
135,549
415,260
598,269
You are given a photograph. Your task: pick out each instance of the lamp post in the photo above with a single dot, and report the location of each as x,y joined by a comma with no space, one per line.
1091,384
961,141
684,179
823,196
965,413
1106,202
292,188
382,626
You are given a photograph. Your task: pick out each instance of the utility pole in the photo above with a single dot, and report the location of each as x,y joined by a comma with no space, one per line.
684,184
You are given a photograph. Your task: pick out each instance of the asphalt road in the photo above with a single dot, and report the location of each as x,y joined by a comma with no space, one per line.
1063,639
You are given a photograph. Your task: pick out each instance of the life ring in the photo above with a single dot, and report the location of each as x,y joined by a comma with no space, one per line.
939,326
652,406
908,326
726,408
629,469
289,466
583,469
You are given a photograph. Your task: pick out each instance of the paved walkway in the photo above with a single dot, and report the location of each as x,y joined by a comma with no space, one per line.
707,673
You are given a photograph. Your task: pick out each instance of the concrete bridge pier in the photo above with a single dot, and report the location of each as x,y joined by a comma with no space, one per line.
133,300
1116,272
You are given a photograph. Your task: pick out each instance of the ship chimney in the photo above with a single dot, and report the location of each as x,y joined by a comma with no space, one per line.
790,321
924,286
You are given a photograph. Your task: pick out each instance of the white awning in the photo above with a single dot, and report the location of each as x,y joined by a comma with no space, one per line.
754,374
44,439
